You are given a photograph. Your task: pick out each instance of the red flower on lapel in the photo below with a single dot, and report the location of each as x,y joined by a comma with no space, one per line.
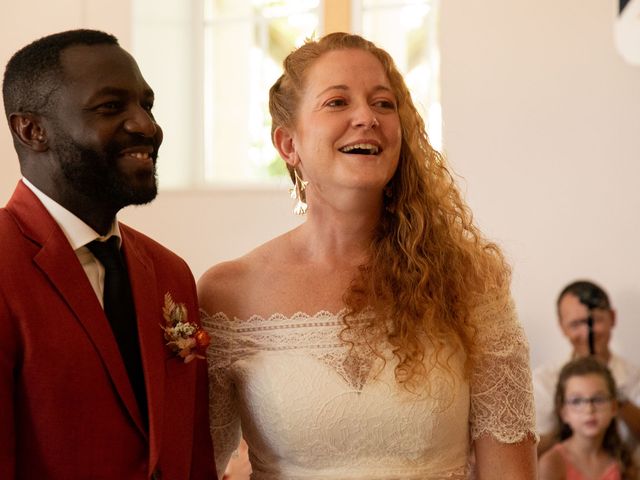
184,338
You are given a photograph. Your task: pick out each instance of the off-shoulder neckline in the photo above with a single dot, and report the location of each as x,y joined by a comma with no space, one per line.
275,317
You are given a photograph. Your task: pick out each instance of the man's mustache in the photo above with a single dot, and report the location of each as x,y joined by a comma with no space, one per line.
114,148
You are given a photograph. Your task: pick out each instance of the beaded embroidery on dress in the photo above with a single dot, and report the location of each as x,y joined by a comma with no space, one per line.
313,406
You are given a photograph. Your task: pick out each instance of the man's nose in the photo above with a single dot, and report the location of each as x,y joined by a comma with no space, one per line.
141,122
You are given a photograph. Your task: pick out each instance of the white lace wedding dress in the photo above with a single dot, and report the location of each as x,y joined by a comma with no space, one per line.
311,408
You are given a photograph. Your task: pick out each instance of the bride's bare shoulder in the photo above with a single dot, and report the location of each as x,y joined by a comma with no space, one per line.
223,286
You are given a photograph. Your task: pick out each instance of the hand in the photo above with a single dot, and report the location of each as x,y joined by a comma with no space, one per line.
239,467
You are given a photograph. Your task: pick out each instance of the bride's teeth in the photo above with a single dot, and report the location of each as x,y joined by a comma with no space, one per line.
361,146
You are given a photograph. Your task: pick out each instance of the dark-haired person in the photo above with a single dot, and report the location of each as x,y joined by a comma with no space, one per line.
588,442
91,386
378,340
572,318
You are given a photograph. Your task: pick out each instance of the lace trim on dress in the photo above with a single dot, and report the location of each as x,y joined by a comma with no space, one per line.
501,387
234,339
501,402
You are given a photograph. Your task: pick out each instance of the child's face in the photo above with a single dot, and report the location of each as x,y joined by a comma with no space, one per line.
588,405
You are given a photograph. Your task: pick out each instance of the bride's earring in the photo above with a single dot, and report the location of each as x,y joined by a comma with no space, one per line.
298,193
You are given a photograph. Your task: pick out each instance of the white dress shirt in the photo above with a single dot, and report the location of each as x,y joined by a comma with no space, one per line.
79,234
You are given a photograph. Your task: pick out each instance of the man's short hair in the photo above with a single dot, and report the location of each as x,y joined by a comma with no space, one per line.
588,293
34,71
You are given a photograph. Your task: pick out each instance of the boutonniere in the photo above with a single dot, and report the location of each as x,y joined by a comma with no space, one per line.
184,338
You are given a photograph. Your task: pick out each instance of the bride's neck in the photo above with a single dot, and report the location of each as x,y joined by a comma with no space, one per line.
339,240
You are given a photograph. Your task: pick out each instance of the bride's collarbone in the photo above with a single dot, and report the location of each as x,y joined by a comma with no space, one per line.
300,288
304,301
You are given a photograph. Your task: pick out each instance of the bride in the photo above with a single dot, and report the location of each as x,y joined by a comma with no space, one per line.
378,339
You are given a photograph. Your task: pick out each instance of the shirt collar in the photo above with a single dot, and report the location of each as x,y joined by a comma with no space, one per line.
77,232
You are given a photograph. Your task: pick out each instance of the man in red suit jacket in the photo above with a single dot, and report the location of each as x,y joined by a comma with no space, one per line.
70,408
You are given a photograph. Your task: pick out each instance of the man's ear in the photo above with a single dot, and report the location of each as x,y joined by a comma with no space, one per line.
283,141
28,130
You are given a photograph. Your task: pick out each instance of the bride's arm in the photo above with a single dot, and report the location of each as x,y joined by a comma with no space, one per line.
502,411
495,460
224,419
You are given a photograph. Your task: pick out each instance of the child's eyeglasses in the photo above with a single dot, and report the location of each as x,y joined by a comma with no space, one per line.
580,403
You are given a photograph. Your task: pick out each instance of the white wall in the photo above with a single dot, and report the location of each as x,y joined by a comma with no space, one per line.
541,120
23,22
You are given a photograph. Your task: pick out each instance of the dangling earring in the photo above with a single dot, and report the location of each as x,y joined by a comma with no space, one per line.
298,192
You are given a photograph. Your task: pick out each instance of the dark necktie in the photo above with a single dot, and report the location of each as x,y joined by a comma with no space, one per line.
120,310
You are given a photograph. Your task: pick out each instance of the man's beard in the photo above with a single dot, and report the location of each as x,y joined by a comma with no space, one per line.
95,175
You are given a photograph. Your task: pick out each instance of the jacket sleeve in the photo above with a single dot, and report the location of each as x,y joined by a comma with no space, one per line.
203,465
9,348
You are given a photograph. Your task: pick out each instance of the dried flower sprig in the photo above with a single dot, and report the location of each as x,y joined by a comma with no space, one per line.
184,338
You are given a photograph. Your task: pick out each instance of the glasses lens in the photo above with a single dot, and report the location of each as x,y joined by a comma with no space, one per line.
598,401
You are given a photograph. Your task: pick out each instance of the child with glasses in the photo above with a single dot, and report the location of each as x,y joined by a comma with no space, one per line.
589,446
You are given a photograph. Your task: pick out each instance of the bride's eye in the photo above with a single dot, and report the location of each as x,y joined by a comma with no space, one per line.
336,102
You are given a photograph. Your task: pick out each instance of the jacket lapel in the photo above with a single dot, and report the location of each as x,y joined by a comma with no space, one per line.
60,265
148,303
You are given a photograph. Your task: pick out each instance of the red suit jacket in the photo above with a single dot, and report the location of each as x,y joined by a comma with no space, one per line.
67,410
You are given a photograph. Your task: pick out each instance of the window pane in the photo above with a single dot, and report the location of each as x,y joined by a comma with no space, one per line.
413,44
211,63
245,44
380,4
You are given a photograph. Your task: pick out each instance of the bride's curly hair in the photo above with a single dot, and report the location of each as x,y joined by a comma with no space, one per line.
429,265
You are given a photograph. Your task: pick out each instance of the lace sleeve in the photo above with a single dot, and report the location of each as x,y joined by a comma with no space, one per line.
223,412
501,389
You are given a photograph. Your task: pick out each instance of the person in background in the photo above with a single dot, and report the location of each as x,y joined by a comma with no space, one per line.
378,339
91,386
589,443
573,314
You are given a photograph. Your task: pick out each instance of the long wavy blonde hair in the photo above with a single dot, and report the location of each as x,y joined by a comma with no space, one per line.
429,265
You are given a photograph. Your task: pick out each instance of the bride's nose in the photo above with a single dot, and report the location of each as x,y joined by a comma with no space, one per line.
364,117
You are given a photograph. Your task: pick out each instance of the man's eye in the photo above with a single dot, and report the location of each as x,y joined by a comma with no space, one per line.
110,106
578,323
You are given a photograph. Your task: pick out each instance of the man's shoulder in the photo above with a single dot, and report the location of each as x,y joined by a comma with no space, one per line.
146,243
6,220
624,370
165,262
12,234
618,360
